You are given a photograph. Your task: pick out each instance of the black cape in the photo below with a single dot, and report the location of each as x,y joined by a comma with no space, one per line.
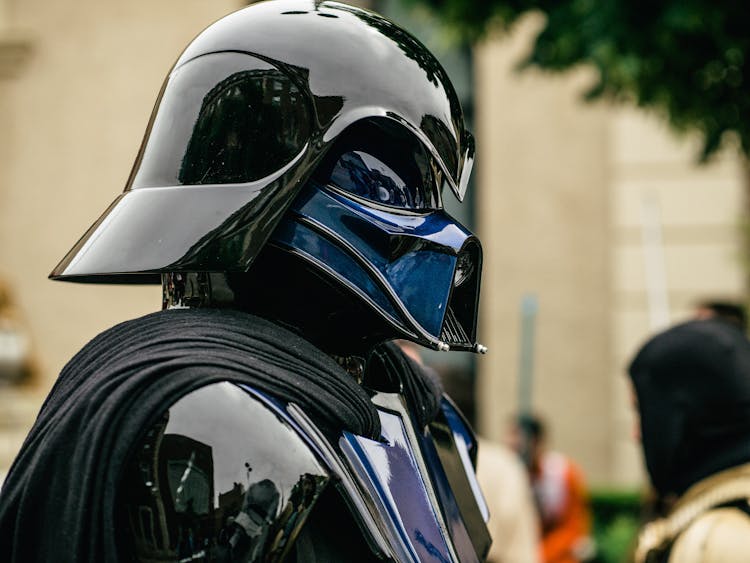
57,502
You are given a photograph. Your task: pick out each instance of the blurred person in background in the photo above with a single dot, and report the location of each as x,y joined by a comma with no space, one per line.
513,519
727,311
692,388
560,494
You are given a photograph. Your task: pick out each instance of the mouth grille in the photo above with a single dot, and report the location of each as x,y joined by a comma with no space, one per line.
453,332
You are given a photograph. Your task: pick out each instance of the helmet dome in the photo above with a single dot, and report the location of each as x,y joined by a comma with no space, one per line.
244,118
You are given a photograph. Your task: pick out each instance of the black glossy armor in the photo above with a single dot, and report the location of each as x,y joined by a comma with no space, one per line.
288,196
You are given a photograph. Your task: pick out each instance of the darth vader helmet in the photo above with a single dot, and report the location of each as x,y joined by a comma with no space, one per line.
296,160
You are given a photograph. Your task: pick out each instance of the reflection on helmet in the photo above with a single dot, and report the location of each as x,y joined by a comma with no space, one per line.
371,179
225,118
249,127
315,167
383,163
211,483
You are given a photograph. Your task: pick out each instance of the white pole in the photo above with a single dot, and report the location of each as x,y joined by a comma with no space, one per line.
654,264
529,309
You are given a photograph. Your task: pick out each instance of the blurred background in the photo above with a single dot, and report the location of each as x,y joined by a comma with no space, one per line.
599,223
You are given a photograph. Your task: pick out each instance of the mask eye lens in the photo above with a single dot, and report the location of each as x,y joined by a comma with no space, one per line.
366,176
383,163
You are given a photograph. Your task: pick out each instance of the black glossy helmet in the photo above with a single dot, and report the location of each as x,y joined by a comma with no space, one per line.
241,123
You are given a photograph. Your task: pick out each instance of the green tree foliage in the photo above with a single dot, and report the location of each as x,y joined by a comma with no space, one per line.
683,58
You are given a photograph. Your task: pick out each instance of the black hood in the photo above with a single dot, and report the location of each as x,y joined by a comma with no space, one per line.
693,388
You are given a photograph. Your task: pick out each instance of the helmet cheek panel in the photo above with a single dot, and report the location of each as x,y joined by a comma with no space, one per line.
418,272
313,246
422,280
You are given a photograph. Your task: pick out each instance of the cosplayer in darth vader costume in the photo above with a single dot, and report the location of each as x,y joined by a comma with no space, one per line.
288,197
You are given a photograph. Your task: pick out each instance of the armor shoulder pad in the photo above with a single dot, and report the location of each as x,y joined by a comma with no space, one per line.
222,473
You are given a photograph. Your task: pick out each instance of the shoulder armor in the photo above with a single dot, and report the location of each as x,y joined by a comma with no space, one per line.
229,472
220,476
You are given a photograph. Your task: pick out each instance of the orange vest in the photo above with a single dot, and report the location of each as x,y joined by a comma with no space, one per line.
563,507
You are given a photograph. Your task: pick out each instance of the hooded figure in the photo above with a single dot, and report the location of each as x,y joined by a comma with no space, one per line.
692,384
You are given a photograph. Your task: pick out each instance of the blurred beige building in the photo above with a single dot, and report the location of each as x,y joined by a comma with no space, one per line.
561,192
569,191
78,80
